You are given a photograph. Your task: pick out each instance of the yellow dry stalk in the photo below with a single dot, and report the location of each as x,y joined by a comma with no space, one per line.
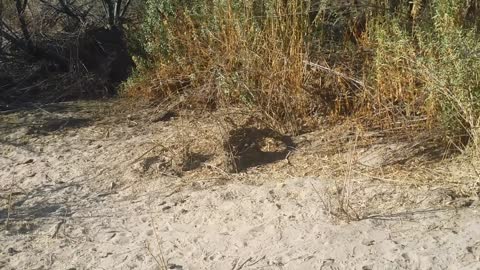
416,9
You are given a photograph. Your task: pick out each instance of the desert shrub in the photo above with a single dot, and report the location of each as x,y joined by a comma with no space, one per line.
429,69
453,68
388,63
230,56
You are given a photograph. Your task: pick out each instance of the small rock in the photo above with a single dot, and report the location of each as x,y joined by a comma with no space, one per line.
368,242
11,251
174,266
28,161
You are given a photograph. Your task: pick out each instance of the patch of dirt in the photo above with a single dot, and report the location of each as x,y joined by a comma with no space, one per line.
57,124
125,192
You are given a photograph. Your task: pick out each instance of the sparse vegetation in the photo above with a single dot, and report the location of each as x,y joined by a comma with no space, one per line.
407,64
396,66
263,128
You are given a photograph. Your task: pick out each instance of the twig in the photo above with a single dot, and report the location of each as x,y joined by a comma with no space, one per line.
57,228
208,166
154,257
243,264
43,110
148,151
325,205
162,258
255,262
339,74
9,209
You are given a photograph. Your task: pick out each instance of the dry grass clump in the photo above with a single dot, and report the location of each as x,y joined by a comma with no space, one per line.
388,64
234,57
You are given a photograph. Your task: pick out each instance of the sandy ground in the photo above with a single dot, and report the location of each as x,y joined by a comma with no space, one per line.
84,186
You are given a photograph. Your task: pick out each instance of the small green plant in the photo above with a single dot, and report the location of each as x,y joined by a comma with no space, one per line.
454,69
428,68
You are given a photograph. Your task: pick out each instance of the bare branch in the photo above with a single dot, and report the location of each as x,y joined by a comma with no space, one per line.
66,9
23,23
110,11
125,8
118,9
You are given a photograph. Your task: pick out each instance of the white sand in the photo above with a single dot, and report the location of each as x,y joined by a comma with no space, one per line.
77,202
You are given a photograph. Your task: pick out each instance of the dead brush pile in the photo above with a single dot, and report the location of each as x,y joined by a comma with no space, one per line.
53,51
392,65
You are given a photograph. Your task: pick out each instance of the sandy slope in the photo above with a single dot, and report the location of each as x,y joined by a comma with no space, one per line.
85,195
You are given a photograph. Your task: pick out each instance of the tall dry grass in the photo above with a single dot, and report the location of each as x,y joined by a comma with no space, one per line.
407,64
229,54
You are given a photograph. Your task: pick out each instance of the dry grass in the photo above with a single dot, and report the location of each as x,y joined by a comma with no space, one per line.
388,66
233,60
